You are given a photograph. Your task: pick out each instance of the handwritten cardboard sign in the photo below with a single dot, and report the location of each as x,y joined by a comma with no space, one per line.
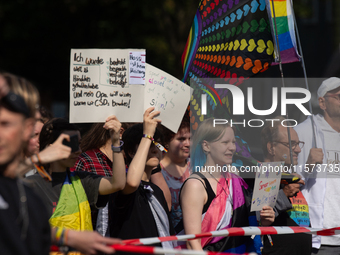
100,85
267,185
110,81
168,95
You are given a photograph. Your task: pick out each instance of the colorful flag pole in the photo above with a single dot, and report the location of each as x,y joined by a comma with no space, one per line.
283,41
305,75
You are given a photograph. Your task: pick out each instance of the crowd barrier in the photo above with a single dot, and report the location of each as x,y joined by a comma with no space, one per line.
138,245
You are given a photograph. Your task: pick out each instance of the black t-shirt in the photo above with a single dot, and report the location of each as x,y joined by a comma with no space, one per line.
50,191
288,244
130,215
38,234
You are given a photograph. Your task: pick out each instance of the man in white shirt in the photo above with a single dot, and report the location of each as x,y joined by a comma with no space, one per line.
322,180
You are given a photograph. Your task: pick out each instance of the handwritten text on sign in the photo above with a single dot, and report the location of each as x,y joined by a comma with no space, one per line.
168,95
100,86
137,67
267,185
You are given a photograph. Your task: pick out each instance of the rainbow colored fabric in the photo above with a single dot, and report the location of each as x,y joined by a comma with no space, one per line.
230,40
73,209
285,29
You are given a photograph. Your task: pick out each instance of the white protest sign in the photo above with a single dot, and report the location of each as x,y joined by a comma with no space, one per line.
267,185
168,95
100,85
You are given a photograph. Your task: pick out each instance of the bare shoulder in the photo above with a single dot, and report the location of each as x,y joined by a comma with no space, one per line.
194,188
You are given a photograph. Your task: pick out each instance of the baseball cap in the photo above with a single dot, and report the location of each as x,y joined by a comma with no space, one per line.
328,85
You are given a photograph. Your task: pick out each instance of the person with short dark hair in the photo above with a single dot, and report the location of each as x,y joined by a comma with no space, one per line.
140,209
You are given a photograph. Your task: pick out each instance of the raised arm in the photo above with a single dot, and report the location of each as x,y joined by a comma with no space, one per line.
193,197
137,165
115,183
54,152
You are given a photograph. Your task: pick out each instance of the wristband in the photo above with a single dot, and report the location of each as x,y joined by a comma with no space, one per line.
118,148
148,136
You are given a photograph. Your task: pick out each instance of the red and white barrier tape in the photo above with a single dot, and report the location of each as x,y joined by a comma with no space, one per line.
158,250
245,231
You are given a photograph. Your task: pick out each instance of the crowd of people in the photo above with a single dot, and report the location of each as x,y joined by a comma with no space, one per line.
138,180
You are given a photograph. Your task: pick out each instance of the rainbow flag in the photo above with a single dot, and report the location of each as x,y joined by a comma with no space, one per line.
285,29
192,44
73,209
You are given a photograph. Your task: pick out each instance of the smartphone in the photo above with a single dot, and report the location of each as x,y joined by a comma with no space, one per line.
73,143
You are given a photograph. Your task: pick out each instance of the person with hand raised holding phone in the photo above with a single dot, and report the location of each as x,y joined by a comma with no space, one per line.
69,195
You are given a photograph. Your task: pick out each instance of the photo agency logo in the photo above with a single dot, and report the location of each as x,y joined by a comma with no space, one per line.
258,97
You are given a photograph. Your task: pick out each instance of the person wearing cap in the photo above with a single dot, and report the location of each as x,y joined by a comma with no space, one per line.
23,220
322,176
25,228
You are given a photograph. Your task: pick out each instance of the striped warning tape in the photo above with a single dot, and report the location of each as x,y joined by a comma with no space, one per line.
157,250
245,231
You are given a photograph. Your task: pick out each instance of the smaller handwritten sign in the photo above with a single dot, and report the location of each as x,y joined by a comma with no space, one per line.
168,95
267,185
300,211
137,67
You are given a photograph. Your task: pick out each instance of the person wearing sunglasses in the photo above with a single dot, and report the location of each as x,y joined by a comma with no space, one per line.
322,183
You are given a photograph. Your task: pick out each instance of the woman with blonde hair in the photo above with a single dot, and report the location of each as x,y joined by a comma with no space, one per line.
213,198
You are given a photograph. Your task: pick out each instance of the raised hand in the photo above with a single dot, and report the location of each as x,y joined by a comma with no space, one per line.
113,124
56,151
150,122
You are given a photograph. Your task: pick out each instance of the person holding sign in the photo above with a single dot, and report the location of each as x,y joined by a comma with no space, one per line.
140,209
97,158
291,208
215,199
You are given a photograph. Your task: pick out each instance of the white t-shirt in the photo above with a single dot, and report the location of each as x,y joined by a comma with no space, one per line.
332,195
